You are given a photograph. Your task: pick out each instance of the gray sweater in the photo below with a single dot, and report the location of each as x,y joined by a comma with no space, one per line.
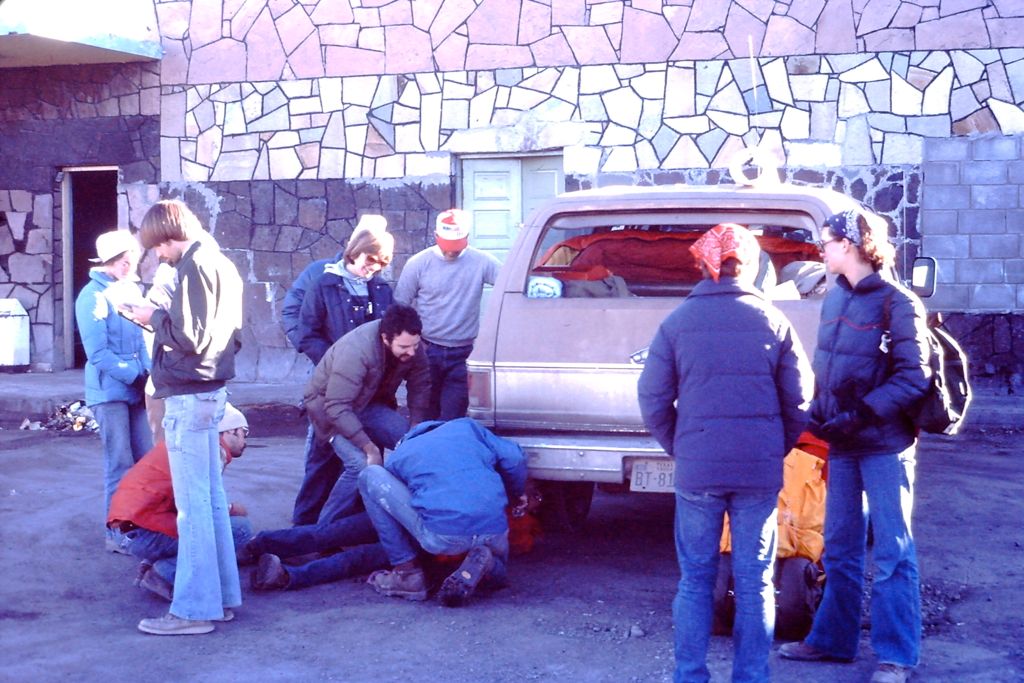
447,294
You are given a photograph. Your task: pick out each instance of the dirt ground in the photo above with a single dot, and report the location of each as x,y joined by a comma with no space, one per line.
588,607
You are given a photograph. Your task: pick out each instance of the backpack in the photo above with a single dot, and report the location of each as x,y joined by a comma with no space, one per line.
943,407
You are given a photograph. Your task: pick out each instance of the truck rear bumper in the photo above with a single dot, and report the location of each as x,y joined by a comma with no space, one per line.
599,458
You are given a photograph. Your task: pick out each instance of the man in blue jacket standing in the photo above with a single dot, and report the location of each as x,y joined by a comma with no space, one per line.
444,489
725,390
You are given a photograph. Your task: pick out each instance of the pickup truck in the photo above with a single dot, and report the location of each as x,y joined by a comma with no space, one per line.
588,280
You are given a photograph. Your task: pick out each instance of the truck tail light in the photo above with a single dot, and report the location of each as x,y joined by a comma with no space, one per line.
480,394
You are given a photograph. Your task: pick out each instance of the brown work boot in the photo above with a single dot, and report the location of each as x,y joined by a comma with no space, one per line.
459,586
808,653
157,584
270,574
891,673
409,584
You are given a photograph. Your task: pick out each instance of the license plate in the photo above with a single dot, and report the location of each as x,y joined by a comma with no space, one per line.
655,475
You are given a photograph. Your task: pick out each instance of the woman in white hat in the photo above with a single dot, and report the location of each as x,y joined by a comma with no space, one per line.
118,361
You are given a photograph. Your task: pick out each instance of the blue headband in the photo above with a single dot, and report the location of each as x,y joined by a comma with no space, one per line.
845,225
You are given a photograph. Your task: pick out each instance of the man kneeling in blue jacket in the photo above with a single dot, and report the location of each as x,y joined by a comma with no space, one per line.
444,489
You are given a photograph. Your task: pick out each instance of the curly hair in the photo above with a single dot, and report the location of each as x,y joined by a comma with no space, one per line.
875,247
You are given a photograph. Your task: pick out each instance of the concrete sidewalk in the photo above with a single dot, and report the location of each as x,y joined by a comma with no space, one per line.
38,395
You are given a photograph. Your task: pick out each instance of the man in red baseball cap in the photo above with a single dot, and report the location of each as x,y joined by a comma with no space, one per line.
444,283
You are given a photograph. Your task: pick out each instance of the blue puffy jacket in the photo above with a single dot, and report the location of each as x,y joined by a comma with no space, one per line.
725,389
460,476
291,307
850,365
117,353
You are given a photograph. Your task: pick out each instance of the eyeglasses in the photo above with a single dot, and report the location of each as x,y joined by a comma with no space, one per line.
245,431
377,261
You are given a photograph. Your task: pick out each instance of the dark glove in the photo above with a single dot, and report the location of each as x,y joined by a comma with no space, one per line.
847,423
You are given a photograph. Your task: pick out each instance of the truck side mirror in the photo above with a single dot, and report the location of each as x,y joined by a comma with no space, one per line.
923,276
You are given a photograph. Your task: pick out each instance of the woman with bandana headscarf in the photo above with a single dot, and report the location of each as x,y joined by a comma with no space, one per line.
870,366
725,390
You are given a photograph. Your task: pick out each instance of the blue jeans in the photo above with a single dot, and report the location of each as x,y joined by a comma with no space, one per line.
126,437
401,530
161,550
322,470
207,574
698,526
880,486
449,381
362,555
385,426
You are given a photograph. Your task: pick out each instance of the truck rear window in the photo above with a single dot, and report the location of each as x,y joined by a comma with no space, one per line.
649,259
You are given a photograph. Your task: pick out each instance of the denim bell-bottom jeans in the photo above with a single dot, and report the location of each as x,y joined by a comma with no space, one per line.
206,580
385,426
161,550
401,530
880,488
126,437
753,523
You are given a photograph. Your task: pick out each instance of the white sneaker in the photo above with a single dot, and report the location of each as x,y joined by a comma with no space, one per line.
170,625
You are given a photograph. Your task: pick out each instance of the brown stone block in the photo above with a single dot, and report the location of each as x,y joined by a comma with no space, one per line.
272,267
291,238
313,213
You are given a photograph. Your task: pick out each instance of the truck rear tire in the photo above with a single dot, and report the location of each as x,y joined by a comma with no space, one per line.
565,505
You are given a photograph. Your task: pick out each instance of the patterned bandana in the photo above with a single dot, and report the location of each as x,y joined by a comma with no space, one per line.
845,226
727,240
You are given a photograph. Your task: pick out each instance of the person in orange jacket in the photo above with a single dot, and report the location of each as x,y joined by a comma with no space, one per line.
143,508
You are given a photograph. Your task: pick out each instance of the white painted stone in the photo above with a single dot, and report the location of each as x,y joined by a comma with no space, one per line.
708,73
428,84
837,64
772,147
42,210
650,86
238,143
620,160
936,61
262,170
768,119
567,134
889,123
734,124
472,140
871,70
16,223
679,91
453,90
392,166
481,108
356,138
796,124
581,160
543,81
969,69
963,103
332,163
330,93
930,126
431,163
501,99
646,157
623,106
170,158
597,79
484,80
852,101
353,165
400,114
193,172
454,114
568,86
407,138
234,119
857,142
553,110
284,138
809,87
235,165
208,147
304,105
188,149
410,96
252,106
334,133
275,120
1008,115
430,120
906,99
900,148
1015,74
777,80
937,94
650,118
689,125
523,98
294,89
814,154
878,94
685,154
359,90
617,135
728,99
371,38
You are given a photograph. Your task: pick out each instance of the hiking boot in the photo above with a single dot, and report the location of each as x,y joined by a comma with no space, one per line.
157,584
248,553
803,652
269,574
409,584
170,625
891,673
459,586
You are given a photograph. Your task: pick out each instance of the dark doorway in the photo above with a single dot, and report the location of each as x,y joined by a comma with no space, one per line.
93,211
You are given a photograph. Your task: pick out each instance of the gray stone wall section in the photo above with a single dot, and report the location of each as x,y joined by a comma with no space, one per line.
972,221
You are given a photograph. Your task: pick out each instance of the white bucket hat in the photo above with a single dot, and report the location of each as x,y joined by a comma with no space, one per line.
114,243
